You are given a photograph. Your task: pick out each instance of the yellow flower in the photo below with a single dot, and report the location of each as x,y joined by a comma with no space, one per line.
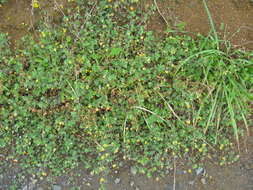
131,8
188,122
114,165
44,173
35,4
102,180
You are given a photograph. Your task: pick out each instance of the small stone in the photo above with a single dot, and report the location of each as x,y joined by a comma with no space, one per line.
132,183
117,181
137,188
177,186
199,171
34,181
84,179
56,187
169,187
133,170
180,172
39,188
28,187
203,181
191,182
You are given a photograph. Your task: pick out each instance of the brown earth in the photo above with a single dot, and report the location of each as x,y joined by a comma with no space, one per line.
18,17
233,20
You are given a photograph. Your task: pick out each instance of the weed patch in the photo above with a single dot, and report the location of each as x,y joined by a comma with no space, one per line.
100,90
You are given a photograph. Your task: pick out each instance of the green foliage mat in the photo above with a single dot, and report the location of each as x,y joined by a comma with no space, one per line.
100,88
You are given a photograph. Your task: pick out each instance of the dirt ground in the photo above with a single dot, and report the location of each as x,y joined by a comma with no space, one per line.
237,176
234,22
232,18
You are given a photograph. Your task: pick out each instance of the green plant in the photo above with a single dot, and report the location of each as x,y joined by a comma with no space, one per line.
100,89
226,77
2,1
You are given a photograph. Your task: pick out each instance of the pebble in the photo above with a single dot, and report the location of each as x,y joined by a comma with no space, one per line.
191,182
28,187
137,188
199,171
203,181
131,183
39,188
179,186
181,172
133,170
117,181
56,187
169,187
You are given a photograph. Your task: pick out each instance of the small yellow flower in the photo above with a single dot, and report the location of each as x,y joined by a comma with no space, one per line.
44,174
188,122
131,8
102,180
114,165
35,4
61,123
116,151
188,105
43,34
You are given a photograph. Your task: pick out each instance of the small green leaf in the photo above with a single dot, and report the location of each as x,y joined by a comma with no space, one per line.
115,51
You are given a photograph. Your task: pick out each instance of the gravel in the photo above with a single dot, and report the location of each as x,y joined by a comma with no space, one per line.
133,170
203,181
117,181
199,171
56,187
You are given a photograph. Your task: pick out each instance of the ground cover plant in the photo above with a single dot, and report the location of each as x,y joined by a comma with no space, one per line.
2,1
100,90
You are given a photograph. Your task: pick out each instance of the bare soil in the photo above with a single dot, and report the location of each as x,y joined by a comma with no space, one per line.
233,18
18,18
234,22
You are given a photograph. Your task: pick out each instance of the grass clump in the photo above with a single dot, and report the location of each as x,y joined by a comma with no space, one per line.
98,89
226,76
